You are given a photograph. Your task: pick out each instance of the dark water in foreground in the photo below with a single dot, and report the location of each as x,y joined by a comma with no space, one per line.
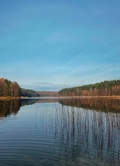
60,133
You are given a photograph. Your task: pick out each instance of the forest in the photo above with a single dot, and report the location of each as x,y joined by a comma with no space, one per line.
12,89
105,88
8,88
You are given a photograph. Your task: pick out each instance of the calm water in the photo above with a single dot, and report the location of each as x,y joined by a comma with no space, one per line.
60,133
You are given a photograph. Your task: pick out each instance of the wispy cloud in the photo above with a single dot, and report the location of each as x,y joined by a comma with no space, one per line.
50,45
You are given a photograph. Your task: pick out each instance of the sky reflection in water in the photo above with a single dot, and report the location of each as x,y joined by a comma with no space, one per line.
60,133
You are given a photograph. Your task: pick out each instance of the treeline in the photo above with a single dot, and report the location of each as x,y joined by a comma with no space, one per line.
29,93
8,88
106,88
12,89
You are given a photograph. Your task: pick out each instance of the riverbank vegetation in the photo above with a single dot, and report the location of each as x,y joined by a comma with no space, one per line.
106,88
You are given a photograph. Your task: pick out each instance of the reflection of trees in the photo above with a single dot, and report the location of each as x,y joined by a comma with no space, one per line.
33,101
28,101
8,107
100,104
86,133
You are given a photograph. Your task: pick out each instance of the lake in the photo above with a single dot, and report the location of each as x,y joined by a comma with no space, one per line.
69,132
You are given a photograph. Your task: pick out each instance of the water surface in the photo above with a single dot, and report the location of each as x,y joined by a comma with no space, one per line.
60,133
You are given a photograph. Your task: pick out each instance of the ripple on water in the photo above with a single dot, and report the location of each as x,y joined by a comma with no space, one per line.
51,138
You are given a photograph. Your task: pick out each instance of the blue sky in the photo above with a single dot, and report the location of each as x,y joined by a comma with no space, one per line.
53,44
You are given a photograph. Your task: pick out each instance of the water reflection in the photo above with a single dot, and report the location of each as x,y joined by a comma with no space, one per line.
99,104
24,102
8,107
60,134
89,133
89,136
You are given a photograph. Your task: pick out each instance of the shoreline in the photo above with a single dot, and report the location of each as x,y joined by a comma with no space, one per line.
9,98
89,97
61,97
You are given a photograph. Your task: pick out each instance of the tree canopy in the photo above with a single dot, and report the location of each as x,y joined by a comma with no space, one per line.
8,88
12,89
98,89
